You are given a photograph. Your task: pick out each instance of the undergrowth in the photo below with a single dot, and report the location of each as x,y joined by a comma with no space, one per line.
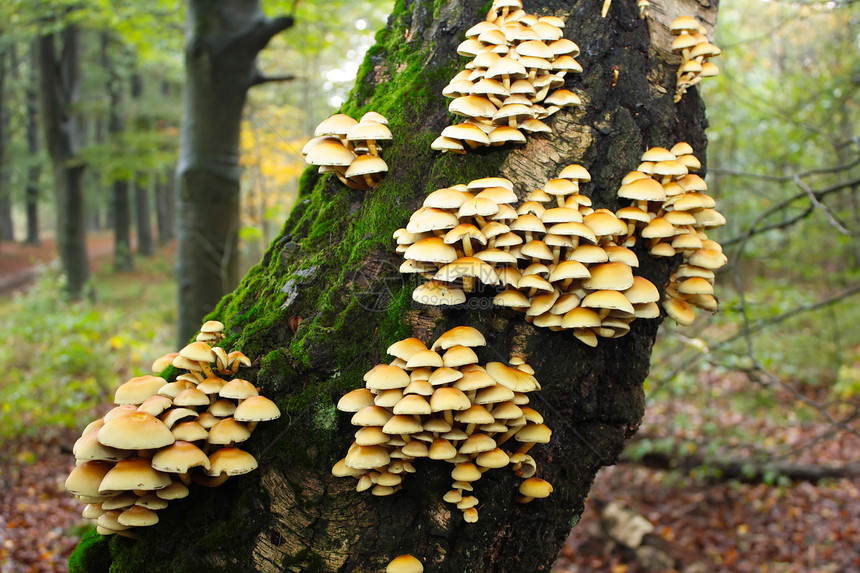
62,359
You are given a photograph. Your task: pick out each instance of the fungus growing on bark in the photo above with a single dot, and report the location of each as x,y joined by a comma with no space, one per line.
516,60
692,43
462,414
350,149
672,212
162,436
540,260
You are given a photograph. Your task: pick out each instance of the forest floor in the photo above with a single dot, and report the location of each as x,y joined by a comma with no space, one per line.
19,262
698,526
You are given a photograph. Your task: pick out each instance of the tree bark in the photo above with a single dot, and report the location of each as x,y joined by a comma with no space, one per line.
34,171
59,88
121,219
223,40
334,265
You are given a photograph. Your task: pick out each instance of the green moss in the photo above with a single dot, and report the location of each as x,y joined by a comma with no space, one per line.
92,555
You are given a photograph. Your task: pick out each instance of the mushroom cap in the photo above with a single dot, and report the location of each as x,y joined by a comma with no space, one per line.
460,335
87,447
366,165
231,461
330,152
608,299
405,564
472,106
138,516
609,276
228,431
198,352
338,124
449,398
131,474
642,189
372,415
256,409
135,431
535,487
84,479
179,458
436,293
466,132
511,378
238,389
136,390
430,219
368,130
431,250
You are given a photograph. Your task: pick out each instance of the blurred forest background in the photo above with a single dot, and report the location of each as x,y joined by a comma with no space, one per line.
747,457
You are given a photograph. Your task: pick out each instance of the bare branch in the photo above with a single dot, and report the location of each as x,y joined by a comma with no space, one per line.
260,78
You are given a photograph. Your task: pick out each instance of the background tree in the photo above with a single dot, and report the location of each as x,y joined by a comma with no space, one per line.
59,69
334,266
223,41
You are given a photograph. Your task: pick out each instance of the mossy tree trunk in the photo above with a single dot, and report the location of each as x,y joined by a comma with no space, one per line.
223,40
334,266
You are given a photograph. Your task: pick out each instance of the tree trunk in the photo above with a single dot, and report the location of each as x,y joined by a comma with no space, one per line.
334,266
165,206
223,40
145,245
121,219
165,194
59,87
142,182
34,171
7,229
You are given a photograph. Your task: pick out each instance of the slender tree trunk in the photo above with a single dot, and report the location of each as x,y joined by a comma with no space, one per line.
165,206
35,170
122,255
223,40
142,182
145,245
7,229
334,265
59,75
165,194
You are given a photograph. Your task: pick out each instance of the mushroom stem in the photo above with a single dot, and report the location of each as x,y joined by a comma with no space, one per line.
507,436
603,12
371,148
467,246
524,449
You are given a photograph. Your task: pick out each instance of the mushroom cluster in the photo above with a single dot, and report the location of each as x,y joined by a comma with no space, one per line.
517,60
672,211
553,257
162,436
350,149
440,403
695,49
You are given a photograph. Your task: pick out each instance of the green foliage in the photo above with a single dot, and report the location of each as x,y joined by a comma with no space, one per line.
65,359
